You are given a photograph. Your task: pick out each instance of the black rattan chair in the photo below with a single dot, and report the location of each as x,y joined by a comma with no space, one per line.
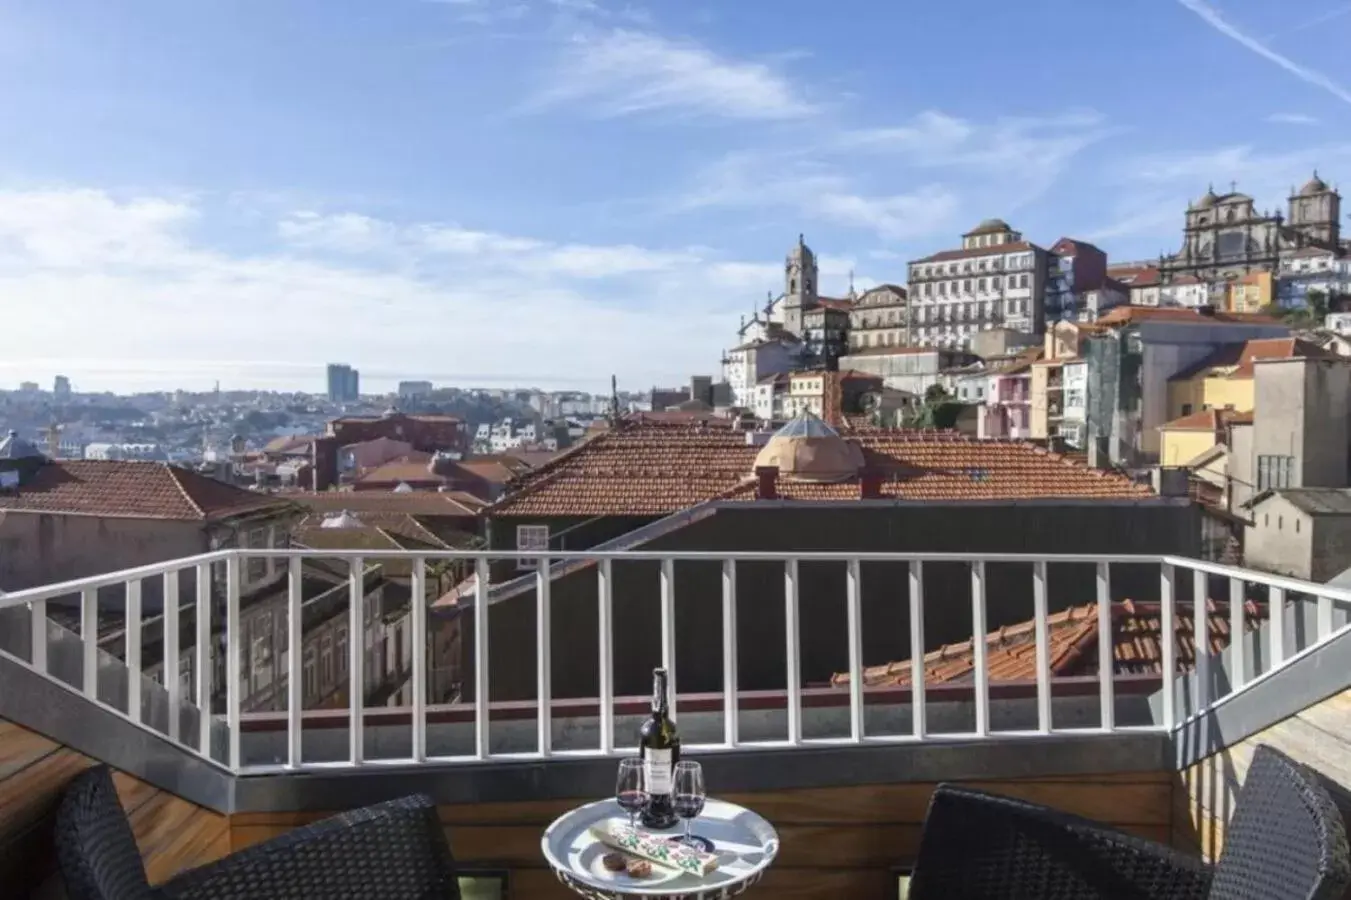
1286,841
390,851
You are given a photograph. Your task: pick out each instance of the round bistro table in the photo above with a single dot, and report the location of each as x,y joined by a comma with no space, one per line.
744,842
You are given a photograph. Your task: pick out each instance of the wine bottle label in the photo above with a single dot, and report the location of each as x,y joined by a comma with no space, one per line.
658,766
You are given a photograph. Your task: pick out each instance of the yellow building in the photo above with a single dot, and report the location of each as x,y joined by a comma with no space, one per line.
1183,441
1061,344
1224,380
1250,293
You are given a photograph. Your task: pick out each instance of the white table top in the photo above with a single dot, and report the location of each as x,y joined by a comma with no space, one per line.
744,842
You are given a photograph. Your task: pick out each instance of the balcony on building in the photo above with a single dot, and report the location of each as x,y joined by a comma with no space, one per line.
829,691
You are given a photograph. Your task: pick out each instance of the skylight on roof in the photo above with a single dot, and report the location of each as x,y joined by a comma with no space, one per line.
806,425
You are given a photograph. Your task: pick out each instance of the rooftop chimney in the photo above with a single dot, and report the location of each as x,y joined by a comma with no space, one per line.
767,482
870,483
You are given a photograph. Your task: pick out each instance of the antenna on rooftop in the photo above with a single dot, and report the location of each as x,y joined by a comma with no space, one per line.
614,399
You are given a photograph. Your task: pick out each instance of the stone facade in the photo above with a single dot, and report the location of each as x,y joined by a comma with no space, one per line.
1225,236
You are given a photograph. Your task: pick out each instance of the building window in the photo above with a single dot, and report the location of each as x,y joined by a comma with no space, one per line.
1274,472
1186,409
342,652
311,674
536,538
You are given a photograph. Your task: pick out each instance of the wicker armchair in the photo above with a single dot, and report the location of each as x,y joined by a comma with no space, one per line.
1286,841
390,851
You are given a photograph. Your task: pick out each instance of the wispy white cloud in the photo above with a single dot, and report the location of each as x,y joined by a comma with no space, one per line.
1289,118
134,278
1211,16
623,72
894,181
1148,194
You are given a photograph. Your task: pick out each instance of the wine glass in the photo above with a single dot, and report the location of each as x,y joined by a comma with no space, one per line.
688,794
631,788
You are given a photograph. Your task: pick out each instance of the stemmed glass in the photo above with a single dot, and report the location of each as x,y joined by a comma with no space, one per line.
631,788
688,795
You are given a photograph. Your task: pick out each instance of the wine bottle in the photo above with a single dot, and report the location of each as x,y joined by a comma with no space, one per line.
659,746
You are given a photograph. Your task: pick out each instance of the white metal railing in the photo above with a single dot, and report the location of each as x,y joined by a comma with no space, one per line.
217,604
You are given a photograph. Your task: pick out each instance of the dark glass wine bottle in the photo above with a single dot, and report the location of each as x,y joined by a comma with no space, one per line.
659,746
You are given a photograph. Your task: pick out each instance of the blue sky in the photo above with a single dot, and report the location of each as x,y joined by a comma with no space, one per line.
548,191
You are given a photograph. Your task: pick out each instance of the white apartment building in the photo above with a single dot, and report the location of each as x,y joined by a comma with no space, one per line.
152,452
996,280
1186,291
746,365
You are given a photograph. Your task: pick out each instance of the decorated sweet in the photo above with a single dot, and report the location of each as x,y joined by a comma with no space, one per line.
654,848
639,868
615,862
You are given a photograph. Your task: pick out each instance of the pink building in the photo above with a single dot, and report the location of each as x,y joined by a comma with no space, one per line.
1007,412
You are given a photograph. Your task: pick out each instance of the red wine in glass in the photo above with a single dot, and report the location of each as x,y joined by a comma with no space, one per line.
688,806
631,789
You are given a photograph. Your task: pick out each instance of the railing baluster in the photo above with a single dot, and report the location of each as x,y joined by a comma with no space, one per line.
1324,617
918,725
295,666
1042,649
792,671
234,655
420,636
1276,613
481,693
89,641
854,630
1168,639
730,714
131,649
202,664
38,629
980,667
543,664
356,659
173,646
1238,630
668,633
1201,639
605,641
1106,649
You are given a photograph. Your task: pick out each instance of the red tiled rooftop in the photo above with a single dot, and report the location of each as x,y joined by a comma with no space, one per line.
1072,644
1129,315
131,490
996,249
651,470
1241,355
416,503
1212,420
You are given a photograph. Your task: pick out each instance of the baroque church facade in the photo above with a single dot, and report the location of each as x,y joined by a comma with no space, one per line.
1226,237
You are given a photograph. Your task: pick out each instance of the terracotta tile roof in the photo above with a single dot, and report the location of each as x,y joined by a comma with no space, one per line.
414,503
997,249
835,303
409,470
1240,356
429,418
495,471
1068,245
647,470
399,529
1134,276
1212,420
132,490
1072,638
1129,315
289,443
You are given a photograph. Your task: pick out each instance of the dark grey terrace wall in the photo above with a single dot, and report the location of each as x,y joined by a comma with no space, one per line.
1151,527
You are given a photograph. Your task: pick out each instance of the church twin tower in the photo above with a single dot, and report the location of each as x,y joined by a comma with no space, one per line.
799,286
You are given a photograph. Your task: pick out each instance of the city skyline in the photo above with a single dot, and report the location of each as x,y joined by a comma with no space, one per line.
297,186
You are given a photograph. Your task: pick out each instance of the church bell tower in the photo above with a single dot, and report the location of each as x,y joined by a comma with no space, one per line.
799,285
